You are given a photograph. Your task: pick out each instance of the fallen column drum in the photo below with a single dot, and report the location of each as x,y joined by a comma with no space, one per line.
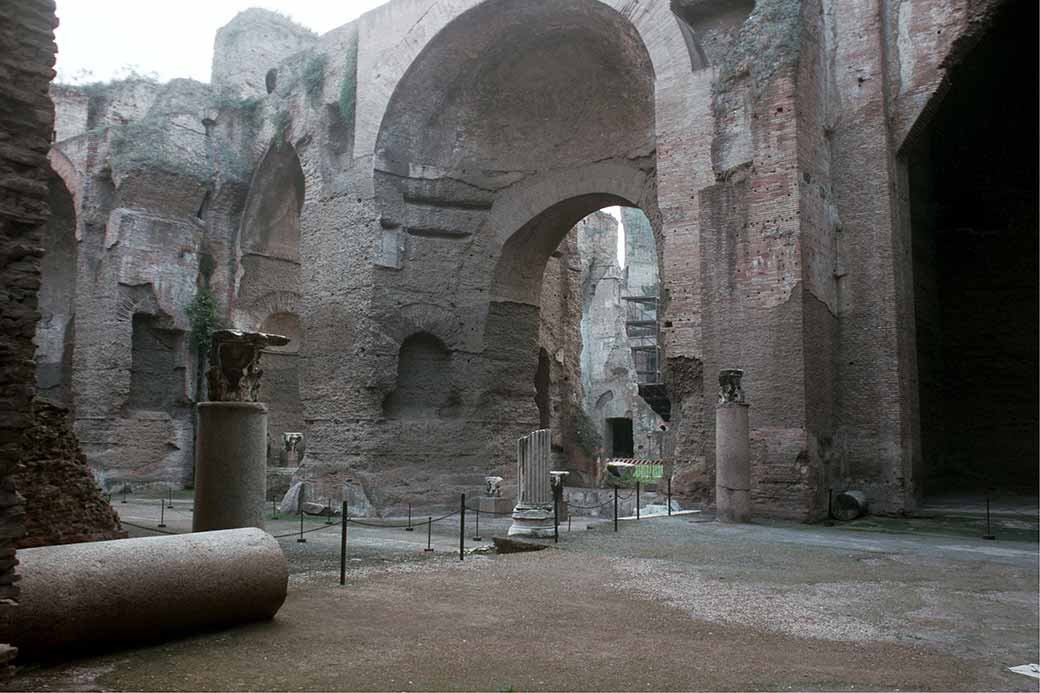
93,595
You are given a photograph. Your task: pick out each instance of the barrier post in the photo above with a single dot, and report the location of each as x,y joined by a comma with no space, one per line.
476,532
328,510
989,534
171,498
615,508
409,528
556,516
162,513
301,539
637,499
462,526
429,535
343,548
669,495
124,491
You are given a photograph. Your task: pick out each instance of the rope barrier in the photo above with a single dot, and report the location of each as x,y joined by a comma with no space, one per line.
487,512
355,521
306,531
147,529
591,507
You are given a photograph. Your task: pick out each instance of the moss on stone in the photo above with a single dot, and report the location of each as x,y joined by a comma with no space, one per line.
348,89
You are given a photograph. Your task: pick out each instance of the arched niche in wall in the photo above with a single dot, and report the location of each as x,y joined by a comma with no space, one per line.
55,332
156,376
269,237
424,380
281,385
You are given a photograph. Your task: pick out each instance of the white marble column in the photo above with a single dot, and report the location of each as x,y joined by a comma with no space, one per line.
533,513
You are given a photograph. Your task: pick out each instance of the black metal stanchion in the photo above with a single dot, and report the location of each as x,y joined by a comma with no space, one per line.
429,535
637,499
343,547
476,532
301,539
556,516
669,495
124,491
328,511
615,508
162,513
171,499
462,526
829,522
989,534
409,528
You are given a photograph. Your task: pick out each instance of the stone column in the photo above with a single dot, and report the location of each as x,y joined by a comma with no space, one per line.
231,440
732,450
533,514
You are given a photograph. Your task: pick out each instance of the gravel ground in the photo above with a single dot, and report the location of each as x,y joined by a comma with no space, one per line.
664,604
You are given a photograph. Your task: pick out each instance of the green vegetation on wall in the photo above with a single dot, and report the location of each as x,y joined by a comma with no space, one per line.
348,90
314,74
202,311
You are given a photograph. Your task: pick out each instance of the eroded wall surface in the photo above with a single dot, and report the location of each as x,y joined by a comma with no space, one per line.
399,193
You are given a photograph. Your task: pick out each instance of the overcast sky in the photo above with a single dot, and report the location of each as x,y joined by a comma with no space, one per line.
98,39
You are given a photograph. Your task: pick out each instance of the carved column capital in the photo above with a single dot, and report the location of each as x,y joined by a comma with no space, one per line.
730,391
234,371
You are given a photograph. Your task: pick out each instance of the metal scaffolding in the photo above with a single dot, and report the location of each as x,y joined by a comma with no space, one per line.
642,330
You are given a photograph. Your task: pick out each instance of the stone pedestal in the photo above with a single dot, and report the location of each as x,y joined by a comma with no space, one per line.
230,466
499,506
533,514
732,451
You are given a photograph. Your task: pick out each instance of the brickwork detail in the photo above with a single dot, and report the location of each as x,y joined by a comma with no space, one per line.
26,122
63,503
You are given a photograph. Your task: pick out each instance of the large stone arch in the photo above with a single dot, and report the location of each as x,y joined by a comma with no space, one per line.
510,124
658,28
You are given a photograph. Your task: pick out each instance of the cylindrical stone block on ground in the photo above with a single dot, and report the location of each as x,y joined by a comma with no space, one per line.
230,466
92,595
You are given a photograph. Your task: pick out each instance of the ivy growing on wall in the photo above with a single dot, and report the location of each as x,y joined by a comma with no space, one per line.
348,90
314,74
202,311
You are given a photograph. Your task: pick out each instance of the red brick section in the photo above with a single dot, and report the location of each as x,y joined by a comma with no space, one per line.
26,120
63,504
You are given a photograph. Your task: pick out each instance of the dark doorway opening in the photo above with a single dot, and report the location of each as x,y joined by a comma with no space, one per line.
973,180
622,443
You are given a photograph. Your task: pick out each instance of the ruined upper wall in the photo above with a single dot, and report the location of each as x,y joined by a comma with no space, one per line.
249,46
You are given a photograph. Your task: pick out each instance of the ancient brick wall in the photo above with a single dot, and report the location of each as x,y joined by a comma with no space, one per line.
26,120
63,504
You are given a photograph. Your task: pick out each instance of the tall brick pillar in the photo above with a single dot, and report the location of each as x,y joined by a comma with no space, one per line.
26,122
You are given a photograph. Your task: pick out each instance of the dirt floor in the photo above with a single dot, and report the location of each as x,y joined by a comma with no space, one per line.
676,603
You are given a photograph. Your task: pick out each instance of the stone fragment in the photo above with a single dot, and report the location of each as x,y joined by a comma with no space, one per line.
533,514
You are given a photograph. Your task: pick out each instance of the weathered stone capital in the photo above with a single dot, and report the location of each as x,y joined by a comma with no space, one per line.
730,391
234,372
291,441
493,486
